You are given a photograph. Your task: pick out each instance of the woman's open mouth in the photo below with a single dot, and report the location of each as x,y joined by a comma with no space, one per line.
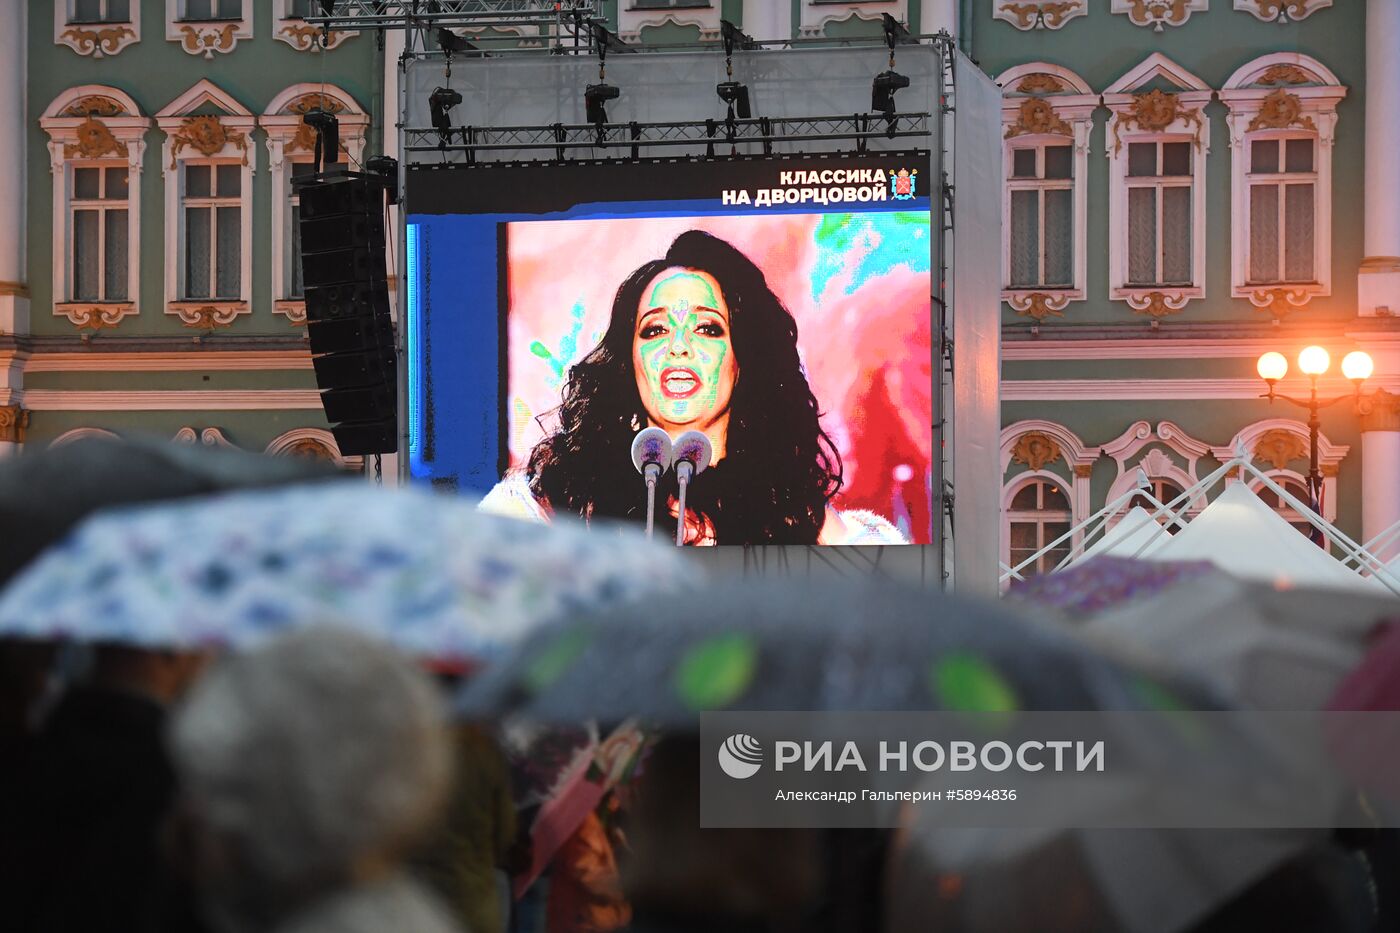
679,382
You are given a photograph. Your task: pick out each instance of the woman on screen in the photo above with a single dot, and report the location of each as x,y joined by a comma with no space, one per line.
696,341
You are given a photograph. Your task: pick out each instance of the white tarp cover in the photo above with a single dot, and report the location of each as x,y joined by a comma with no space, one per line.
1243,536
1136,531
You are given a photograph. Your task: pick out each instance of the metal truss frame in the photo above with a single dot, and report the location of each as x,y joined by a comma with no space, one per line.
630,139
417,14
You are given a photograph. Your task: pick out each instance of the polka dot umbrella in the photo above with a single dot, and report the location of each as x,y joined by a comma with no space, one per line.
426,572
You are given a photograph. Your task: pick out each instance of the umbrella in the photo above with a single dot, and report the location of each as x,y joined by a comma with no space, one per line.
780,646
429,573
1103,582
43,495
1264,646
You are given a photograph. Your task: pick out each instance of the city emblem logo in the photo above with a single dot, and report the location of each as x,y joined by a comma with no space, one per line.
902,184
740,756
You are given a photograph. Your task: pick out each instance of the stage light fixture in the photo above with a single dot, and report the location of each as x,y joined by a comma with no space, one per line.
734,94
607,41
440,102
895,33
882,91
594,97
327,128
450,42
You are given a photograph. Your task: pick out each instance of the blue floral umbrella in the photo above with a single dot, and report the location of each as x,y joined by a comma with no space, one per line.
429,573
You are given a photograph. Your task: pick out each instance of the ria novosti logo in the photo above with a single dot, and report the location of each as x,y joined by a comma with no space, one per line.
740,756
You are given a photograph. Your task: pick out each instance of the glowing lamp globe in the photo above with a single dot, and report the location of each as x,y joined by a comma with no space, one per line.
1313,361
1272,366
1357,365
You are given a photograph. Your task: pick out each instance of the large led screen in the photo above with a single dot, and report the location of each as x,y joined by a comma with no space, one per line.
778,307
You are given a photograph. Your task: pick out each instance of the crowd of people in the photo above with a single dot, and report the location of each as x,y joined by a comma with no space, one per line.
325,781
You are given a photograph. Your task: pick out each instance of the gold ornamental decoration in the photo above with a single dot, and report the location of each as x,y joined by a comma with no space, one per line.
305,139
95,317
1283,74
308,449
94,141
1153,112
99,42
1279,302
1143,12
1035,449
208,135
1280,110
13,422
1040,83
94,105
205,318
303,36
1279,447
1156,305
1038,306
1037,116
1051,14
1293,9
209,41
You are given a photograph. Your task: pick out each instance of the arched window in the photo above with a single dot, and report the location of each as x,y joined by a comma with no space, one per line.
1164,491
1274,501
1039,513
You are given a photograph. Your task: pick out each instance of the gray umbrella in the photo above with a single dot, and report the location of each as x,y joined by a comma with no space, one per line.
799,646
44,495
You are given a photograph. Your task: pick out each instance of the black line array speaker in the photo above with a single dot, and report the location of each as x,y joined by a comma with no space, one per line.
347,307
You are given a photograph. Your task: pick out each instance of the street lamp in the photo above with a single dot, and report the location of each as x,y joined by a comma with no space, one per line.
1314,361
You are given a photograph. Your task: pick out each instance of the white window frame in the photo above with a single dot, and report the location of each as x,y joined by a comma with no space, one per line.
1070,119
1013,487
234,128
290,140
205,37
1077,458
214,201
73,140
815,17
301,35
1285,95
96,39
1188,123
100,206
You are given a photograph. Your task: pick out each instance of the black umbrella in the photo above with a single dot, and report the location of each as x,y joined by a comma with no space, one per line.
799,646
44,495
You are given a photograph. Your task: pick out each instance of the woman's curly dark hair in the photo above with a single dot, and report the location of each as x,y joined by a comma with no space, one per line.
780,468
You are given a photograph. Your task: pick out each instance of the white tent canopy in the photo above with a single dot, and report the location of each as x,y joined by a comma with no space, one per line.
1136,531
1243,536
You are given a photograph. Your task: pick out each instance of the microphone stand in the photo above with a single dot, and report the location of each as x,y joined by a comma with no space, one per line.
683,471
653,472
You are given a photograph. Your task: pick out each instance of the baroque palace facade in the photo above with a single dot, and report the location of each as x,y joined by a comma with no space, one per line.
1190,183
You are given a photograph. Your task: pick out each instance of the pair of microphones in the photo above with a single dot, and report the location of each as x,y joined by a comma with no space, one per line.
653,453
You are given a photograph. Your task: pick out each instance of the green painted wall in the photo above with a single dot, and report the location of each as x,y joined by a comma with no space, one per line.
154,72
1102,46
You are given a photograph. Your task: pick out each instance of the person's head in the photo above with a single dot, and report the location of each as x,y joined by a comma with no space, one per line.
696,340
305,766
163,675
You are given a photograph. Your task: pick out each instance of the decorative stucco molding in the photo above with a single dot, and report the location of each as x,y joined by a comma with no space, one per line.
206,37
98,40
1281,10
1038,14
1159,13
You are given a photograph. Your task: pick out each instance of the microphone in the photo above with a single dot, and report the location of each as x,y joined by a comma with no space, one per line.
651,455
690,455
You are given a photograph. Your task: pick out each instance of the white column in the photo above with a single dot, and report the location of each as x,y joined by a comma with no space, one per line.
1378,282
14,294
768,19
1380,469
938,14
